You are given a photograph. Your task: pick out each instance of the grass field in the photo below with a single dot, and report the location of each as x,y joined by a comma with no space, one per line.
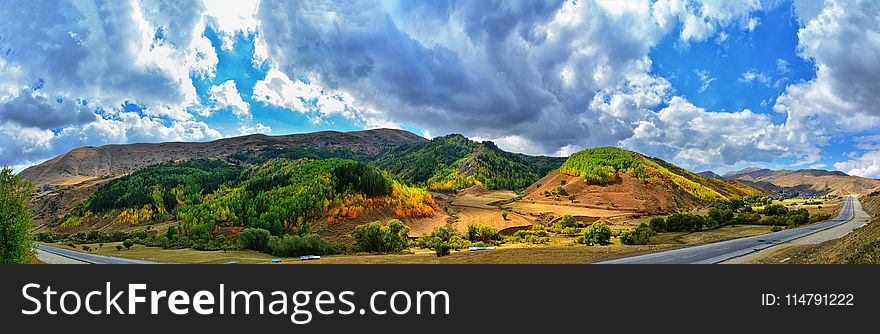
142,252
560,250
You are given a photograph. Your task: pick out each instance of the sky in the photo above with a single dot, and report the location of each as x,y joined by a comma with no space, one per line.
708,85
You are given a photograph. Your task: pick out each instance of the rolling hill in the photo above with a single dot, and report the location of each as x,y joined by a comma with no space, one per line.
454,162
608,178
90,163
280,195
810,182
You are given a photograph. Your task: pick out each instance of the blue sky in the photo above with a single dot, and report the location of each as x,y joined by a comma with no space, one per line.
718,85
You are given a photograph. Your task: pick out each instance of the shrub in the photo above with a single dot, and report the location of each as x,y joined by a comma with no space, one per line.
296,245
640,235
775,210
658,224
561,191
442,249
374,237
442,236
720,216
681,222
483,233
747,219
598,234
819,216
255,239
567,221
118,248
535,235
776,229
128,243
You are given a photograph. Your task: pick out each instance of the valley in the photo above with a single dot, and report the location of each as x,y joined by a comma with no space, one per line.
389,196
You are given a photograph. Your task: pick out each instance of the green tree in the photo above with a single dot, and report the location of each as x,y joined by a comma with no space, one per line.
15,216
374,237
128,243
597,234
255,239
567,221
504,214
658,224
640,235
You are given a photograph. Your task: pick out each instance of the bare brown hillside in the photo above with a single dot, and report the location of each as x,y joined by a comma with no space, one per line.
626,196
808,181
88,163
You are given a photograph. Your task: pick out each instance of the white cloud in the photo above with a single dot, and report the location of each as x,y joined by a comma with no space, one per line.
752,23
244,129
705,79
866,165
104,53
753,76
277,89
701,19
782,66
843,39
226,95
229,18
869,142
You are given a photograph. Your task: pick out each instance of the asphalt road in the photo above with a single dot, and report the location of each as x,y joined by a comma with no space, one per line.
720,251
90,258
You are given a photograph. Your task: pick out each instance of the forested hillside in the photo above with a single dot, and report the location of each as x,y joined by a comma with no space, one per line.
602,165
280,195
454,162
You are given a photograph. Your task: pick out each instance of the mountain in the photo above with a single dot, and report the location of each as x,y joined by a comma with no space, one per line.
810,182
454,162
612,178
90,163
710,174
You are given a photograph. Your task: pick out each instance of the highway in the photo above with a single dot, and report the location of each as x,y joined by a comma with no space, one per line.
90,258
720,251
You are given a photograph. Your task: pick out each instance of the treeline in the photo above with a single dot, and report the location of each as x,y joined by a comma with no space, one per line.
600,165
284,195
453,162
258,157
166,186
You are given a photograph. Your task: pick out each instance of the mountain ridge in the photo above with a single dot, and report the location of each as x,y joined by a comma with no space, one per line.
89,162
805,182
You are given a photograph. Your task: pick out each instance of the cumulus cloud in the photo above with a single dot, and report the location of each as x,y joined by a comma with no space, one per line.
92,57
489,69
866,165
24,145
226,96
843,39
31,109
693,136
701,19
